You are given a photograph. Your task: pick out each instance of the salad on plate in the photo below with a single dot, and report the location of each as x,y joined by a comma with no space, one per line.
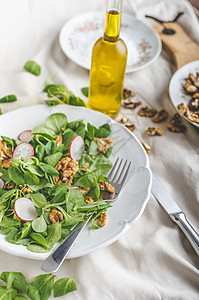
52,178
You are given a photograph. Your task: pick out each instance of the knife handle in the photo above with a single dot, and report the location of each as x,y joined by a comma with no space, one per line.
181,220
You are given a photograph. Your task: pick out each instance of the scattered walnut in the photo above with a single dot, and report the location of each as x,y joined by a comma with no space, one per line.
67,167
130,126
128,103
146,147
183,109
106,186
160,116
124,120
147,112
103,219
59,140
175,124
88,200
55,216
128,93
154,131
104,144
194,117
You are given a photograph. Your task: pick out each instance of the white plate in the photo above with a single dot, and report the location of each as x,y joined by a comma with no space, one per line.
79,34
176,91
132,199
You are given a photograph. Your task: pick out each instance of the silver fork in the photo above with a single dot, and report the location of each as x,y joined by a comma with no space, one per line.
118,174
117,177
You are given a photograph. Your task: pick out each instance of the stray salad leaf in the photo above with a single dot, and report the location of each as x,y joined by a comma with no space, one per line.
32,67
85,91
9,98
39,289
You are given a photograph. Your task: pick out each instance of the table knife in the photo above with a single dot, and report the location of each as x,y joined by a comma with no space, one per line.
175,213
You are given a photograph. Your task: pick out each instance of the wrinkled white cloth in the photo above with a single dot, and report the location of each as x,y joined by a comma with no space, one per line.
153,259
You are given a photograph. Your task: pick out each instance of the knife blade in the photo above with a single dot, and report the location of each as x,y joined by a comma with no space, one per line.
175,213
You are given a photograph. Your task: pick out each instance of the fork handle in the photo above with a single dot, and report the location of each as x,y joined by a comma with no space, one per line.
53,262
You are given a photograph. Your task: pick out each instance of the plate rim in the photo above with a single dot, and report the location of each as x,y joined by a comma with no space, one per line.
171,82
127,225
134,69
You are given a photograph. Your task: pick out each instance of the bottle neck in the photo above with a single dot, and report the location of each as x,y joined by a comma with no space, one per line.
113,20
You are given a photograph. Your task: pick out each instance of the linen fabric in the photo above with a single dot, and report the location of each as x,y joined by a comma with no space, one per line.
153,259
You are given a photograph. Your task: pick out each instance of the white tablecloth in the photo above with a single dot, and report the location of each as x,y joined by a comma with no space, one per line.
153,260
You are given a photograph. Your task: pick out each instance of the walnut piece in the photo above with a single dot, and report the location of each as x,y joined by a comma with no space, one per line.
5,155
160,116
88,200
103,219
25,189
103,144
128,93
147,112
194,117
128,103
191,85
59,140
154,131
130,126
55,216
146,147
10,185
175,124
86,166
106,186
183,109
67,167
84,190
194,104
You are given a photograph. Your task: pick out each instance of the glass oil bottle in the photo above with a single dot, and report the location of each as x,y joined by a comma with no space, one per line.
108,64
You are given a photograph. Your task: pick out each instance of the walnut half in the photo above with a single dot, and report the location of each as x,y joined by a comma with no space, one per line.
55,216
154,131
103,219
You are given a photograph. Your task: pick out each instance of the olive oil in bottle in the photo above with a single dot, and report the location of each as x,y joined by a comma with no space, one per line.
108,64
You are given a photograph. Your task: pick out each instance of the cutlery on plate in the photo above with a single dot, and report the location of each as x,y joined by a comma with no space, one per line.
117,177
175,213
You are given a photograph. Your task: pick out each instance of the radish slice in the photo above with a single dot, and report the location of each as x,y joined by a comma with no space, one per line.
25,210
25,136
2,183
76,147
23,150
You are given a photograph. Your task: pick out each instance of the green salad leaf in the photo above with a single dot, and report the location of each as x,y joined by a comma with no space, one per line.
64,286
8,98
85,91
33,67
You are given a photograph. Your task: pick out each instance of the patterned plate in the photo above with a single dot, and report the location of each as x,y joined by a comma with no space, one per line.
79,34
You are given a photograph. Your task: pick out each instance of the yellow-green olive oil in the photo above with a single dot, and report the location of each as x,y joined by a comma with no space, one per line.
108,66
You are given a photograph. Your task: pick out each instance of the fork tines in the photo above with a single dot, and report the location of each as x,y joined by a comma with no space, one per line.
119,171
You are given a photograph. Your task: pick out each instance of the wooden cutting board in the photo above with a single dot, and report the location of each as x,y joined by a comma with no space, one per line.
179,45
